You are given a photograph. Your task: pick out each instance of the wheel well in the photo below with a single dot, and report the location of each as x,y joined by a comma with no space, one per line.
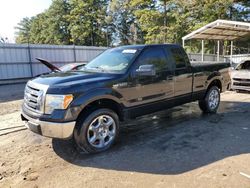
216,83
102,103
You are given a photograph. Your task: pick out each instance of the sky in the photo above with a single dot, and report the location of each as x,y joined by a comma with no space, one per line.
12,11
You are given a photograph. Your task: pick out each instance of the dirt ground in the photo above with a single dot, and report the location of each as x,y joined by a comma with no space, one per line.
179,147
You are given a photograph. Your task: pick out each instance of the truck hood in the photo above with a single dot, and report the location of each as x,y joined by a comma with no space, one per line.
49,65
243,74
65,79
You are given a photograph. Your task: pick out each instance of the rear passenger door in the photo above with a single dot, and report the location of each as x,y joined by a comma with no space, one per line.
183,74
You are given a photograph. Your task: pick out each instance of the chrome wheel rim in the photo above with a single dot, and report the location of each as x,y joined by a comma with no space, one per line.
213,99
101,131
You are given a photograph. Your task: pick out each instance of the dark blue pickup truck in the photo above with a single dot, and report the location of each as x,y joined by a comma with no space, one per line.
123,82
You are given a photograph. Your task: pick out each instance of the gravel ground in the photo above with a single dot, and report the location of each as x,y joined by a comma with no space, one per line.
179,147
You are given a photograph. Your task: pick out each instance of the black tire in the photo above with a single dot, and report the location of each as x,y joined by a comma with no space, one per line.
82,131
206,105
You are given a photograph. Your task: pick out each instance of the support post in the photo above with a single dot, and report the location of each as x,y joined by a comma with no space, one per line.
30,61
183,43
74,52
231,53
202,50
218,50
107,38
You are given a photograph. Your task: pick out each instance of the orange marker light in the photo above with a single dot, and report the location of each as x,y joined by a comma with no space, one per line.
67,100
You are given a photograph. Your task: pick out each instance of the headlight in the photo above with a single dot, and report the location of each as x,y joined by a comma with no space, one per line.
53,102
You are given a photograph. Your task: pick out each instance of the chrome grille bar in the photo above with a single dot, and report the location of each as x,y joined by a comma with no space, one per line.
34,96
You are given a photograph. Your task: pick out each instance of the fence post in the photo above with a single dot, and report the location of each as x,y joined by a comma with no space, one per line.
30,62
231,53
74,50
218,51
202,50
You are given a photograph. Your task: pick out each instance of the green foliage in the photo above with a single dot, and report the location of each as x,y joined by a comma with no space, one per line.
122,22
86,20
119,22
49,27
24,27
149,23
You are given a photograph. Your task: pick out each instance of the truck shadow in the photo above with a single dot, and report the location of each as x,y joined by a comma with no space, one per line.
172,141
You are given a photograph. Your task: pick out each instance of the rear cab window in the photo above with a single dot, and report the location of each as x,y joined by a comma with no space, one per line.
179,57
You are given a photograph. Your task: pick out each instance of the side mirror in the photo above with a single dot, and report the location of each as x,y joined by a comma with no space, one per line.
146,70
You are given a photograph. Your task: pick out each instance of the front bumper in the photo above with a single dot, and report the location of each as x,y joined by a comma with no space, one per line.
240,85
49,129
243,88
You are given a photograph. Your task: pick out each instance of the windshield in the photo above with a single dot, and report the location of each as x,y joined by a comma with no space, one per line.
243,66
114,60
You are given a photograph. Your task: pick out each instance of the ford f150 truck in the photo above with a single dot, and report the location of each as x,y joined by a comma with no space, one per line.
123,82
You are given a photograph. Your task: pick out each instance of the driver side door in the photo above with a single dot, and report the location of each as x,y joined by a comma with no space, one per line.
147,90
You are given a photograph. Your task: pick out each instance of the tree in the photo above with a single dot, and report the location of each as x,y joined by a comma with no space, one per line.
49,27
57,31
24,27
39,30
121,22
86,20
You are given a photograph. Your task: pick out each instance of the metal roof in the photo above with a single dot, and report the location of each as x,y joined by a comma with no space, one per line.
221,30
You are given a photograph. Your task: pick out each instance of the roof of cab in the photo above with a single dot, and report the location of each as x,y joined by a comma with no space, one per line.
141,46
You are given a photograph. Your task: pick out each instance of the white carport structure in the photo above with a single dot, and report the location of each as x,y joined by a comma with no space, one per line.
220,30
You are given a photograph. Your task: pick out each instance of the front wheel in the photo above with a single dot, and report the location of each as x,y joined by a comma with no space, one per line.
97,131
211,101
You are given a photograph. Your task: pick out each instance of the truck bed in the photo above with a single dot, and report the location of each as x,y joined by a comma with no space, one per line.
209,66
207,63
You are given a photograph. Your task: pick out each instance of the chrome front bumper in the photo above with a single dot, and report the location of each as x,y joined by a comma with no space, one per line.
243,88
49,129
240,86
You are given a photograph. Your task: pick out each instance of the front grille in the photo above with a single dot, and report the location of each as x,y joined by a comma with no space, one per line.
34,95
241,79
241,84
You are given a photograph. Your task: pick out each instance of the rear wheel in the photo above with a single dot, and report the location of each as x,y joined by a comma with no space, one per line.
97,131
211,101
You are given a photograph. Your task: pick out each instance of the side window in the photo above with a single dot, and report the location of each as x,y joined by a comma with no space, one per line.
178,57
154,56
